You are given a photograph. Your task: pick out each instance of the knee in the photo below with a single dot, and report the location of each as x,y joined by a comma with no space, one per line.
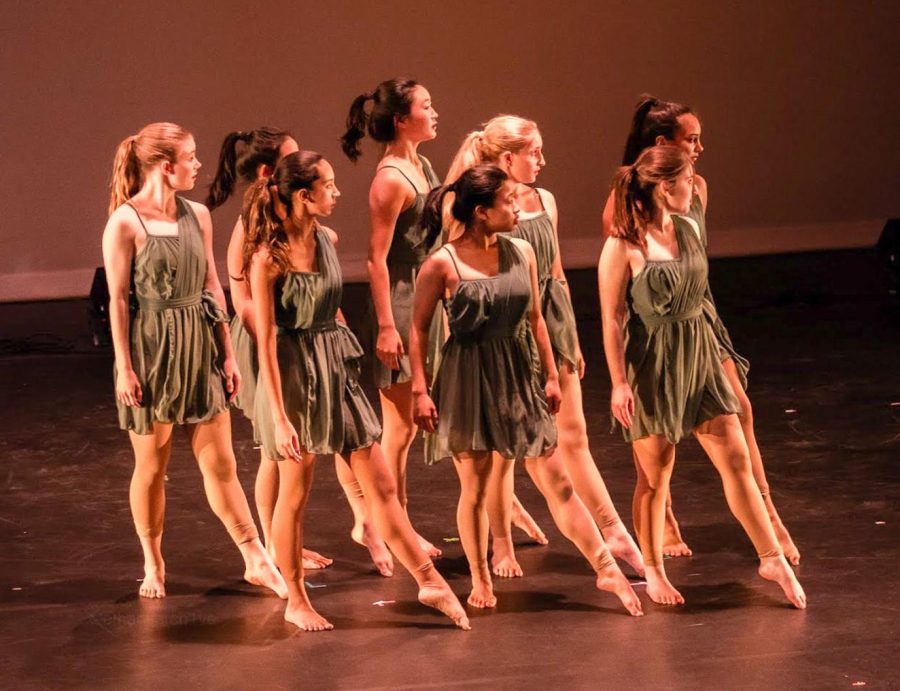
737,463
384,488
474,497
746,414
221,469
149,474
560,486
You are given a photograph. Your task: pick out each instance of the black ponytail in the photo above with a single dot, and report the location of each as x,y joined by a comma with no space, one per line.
261,146
223,183
476,186
432,214
356,127
652,118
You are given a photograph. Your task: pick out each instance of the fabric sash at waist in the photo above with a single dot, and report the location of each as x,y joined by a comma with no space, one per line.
158,305
322,326
660,319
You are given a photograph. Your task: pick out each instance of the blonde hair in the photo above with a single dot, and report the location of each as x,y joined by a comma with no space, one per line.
158,141
500,134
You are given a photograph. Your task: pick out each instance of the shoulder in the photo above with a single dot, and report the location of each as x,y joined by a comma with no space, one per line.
547,198
425,161
389,183
330,234
438,262
523,246
702,189
201,212
617,249
122,224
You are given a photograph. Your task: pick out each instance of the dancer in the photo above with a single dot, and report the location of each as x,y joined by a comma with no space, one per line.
174,359
515,145
486,394
252,155
310,401
662,353
402,117
663,122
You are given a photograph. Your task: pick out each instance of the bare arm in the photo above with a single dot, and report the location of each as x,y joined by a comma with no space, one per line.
613,273
702,191
238,283
609,211
430,285
118,253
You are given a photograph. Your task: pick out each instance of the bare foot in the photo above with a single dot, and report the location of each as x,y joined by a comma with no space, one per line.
313,560
777,569
441,598
306,618
622,546
428,548
791,553
263,572
612,580
503,560
524,522
660,590
482,594
154,583
369,538
676,549
673,544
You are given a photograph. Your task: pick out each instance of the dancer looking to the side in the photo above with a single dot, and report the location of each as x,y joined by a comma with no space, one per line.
402,116
174,359
487,397
663,122
310,401
515,145
249,156
663,358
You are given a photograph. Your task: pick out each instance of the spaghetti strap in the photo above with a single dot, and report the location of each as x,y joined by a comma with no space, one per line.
540,197
141,220
452,259
415,189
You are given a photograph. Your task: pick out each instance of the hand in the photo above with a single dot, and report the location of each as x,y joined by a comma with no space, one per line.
553,395
622,404
128,389
287,442
389,347
232,378
425,413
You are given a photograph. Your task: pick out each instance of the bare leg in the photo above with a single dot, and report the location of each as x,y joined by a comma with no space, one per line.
398,435
673,543
656,458
211,443
791,553
364,531
723,440
294,483
380,491
572,518
499,502
147,497
522,520
575,452
471,518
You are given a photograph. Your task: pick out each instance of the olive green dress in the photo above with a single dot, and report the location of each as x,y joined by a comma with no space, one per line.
245,355
726,348
407,253
487,394
671,350
173,348
319,364
556,306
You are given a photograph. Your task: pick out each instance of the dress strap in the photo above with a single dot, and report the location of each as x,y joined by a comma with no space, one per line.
399,170
141,220
453,259
540,198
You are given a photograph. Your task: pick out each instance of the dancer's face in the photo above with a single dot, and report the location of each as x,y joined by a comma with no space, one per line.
182,173
677,193
503,216
421,123
688,136
525,165
322,198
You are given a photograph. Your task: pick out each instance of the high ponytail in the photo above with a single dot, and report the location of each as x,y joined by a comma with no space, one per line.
158,141
477,186
433,214
356,127
652,118
391,99
469,155
241,155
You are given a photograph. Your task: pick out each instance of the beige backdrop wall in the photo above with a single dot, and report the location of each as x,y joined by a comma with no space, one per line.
799,103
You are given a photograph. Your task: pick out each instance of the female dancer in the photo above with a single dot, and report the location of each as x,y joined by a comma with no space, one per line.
401,118
174,360
310,402
487,394
252,155
663,360
663,122
515,145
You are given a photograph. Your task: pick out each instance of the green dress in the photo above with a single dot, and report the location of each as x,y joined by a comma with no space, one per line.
405,257
173,348
487,394
319,364
245,354
555,303
671,351
726,348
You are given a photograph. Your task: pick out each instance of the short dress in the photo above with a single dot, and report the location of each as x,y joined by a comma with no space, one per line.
319,364
174,351
487,394
408,251
726,348
556,306
671,351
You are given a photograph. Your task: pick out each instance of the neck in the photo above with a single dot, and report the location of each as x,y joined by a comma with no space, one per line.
476,235
301,228
403,148
158,195
662,221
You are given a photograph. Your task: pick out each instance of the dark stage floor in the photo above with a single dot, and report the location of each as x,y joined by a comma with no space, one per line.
822,335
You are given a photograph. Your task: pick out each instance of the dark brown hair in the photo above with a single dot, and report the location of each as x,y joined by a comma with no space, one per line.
391,99
652,118
477,186
241,155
